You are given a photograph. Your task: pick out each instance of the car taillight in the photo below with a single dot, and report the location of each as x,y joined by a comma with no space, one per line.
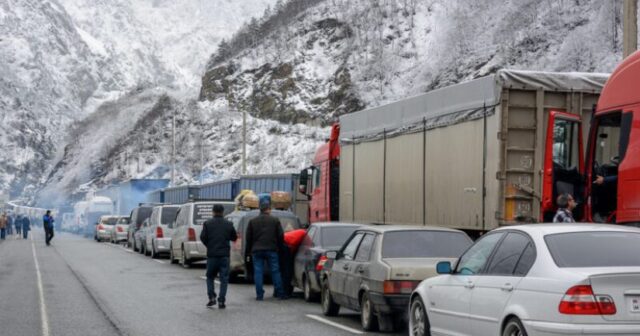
159,232
100,227
321,262
399,287
580,300
119,228
191,234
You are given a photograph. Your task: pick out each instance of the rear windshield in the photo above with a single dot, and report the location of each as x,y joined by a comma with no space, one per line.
336,236
124,220
112,220
169,215
143,213
595,249
424,244
288,223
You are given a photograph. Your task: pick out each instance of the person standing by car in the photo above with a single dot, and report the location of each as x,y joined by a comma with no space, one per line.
47,223
264,237
566,204
292,241
3,226
216,235
26,227
18,226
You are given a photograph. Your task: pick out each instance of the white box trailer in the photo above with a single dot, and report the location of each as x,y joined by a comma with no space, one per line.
470,156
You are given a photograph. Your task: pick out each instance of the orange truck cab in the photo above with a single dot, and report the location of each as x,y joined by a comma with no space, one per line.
613,150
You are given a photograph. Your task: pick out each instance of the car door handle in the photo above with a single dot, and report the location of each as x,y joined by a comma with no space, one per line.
360,270
469,285
345,267
507,287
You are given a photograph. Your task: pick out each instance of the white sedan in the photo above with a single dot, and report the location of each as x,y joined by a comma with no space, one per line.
536,280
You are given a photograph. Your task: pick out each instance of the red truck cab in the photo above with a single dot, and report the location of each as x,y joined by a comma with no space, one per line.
321,181
613,151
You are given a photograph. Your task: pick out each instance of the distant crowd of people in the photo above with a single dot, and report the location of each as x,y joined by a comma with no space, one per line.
19,226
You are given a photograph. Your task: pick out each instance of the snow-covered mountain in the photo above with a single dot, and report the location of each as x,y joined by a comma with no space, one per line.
61,59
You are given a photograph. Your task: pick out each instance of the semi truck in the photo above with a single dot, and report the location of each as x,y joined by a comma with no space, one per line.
486,153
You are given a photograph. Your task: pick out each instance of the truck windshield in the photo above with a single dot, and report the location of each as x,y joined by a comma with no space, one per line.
424,244
595,249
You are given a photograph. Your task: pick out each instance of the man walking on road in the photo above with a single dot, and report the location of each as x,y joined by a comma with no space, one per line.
18,224
216,235
264,237
26,226
3,226
47,223
566,204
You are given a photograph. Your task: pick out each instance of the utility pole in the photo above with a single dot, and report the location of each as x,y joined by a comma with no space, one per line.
244,142
201,158
173,151
630,27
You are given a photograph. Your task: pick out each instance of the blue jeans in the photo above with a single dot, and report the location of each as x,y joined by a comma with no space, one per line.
271,257
215,266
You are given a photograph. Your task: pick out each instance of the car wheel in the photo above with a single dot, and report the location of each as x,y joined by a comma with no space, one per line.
329,307
367,317
147,251
514,328
172,258
418,322
154,255
309,295
134,246
186,263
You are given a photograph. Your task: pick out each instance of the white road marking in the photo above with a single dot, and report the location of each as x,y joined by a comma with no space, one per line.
158,261
43,306
334,324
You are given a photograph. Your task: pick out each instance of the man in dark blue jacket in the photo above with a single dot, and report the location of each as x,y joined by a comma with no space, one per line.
216,235
26,226
47,222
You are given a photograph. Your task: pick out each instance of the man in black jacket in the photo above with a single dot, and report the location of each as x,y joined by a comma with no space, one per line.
264,237
216,235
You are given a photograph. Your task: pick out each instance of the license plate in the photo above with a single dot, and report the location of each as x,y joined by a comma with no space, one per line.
634,304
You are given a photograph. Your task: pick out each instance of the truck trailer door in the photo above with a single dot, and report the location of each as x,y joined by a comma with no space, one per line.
563,163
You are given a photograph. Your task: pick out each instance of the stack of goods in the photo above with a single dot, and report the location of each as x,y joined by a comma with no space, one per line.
280,200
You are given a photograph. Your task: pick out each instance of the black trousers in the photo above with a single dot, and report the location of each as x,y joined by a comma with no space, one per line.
48,233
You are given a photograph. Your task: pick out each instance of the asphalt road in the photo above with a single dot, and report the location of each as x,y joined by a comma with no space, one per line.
81,287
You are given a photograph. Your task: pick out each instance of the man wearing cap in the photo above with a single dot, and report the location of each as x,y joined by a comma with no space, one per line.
264,237
216,235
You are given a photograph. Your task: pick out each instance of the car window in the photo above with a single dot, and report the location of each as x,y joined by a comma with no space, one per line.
334,237
309,237
474,260
168,215
424,244
364,251
595,249
507,255
202,213
527,259
349,250
123,220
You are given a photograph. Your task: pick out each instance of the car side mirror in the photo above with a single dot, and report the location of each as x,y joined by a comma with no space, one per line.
332,255
443,267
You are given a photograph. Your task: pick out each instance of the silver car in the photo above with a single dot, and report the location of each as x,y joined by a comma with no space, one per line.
158,234
119,232
186,247
105,226
140,236
536,280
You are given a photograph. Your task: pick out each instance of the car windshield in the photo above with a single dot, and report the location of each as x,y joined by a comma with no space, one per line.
169,214
424,244
595,249
334,237
202,212
124,220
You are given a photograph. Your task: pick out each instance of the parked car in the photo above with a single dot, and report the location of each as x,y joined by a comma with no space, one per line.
140,236
158,234
186,246
542,279
138,215
119,232
240,220
310,257
104,227
379,266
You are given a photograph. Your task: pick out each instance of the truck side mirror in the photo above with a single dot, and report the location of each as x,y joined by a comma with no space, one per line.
303,186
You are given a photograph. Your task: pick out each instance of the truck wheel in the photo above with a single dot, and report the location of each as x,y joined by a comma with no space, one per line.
329,307
418,321
367,317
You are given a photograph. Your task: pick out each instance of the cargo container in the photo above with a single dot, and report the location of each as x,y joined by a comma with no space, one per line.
127,195
181,194
477,155
220,190
156,196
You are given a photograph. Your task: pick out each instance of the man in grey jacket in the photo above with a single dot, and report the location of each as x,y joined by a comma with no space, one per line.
264,237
